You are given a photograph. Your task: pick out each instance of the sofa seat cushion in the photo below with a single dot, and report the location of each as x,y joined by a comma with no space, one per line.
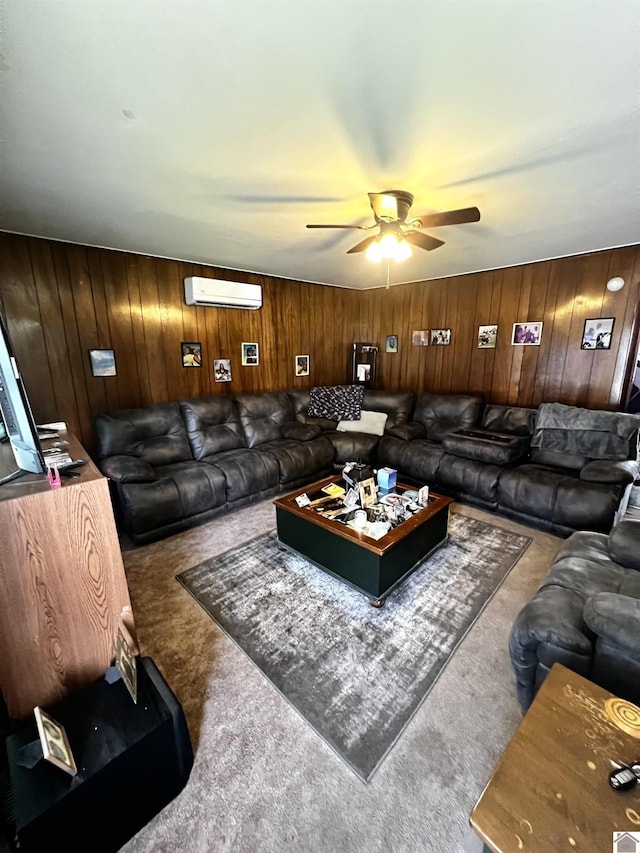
484,446
246,472
213,425
298,460
419,459
353,446
469,478
549,494
181,490
199,487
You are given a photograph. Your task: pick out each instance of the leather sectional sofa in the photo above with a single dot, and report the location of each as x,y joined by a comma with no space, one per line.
585,615
177,464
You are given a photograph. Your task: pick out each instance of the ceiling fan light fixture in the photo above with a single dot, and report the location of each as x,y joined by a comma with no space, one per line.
388,247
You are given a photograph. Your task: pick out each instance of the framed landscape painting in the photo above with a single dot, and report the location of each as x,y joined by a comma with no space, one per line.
103,362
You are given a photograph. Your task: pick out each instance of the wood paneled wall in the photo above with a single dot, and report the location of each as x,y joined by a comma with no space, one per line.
561,293
61,300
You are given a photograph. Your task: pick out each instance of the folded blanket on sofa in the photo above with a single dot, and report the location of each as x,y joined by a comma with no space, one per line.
584,432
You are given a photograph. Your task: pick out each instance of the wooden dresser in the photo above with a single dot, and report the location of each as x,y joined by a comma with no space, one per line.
63,590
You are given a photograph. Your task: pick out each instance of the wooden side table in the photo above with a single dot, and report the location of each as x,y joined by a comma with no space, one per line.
550,790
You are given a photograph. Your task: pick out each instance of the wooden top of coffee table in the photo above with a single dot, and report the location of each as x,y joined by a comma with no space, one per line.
550,791
377,546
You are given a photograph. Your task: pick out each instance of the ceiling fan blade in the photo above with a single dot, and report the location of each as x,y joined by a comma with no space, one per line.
359,227
363,246
384,206
423,241
448,217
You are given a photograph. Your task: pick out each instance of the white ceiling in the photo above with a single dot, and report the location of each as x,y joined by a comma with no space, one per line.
214,130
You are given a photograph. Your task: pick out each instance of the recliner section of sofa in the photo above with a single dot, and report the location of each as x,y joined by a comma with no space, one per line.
178,464
585,615
483,455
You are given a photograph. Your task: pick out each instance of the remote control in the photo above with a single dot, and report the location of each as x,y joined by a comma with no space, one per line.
625,778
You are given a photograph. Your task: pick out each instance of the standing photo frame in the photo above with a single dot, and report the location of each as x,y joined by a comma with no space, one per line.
54,742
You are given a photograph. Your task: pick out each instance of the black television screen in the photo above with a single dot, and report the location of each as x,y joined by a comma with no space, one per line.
16,411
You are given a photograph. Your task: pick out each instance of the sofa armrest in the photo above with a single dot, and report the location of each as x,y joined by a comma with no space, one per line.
300,432
610,471
616,620
623,544
127,469
407,432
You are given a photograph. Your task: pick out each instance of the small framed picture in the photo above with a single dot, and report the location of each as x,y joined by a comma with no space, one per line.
103,362
526,334
597,333
420,338
367,492
487,337
191,354
126,664
302,365
440,337
55,745
250,354
222,369
391,343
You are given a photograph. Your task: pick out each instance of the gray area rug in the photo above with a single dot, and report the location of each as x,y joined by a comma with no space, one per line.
357,674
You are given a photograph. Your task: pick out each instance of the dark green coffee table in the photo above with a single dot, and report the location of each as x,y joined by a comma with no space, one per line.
374,567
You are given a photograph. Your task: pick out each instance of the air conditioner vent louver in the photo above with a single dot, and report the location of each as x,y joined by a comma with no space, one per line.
216,293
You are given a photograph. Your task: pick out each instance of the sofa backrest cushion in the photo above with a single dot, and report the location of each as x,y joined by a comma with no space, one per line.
262,416
300,403
440,414
398,406
213,425
513,420
156,434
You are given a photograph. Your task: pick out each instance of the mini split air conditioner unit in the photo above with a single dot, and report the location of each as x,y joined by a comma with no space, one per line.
216,293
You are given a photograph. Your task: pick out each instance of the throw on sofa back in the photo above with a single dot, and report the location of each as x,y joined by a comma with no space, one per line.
441,414
213,425
156,435
262,416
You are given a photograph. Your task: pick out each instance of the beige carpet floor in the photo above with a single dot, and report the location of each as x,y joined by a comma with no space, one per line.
263,780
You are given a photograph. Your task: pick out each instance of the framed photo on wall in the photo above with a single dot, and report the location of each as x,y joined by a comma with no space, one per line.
103,362
526,334
191,354
597,333
440,337
250,354
487,336
391,343
302,365
222,369
420,338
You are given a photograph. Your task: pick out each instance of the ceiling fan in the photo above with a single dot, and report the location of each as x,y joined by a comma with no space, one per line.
390,209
